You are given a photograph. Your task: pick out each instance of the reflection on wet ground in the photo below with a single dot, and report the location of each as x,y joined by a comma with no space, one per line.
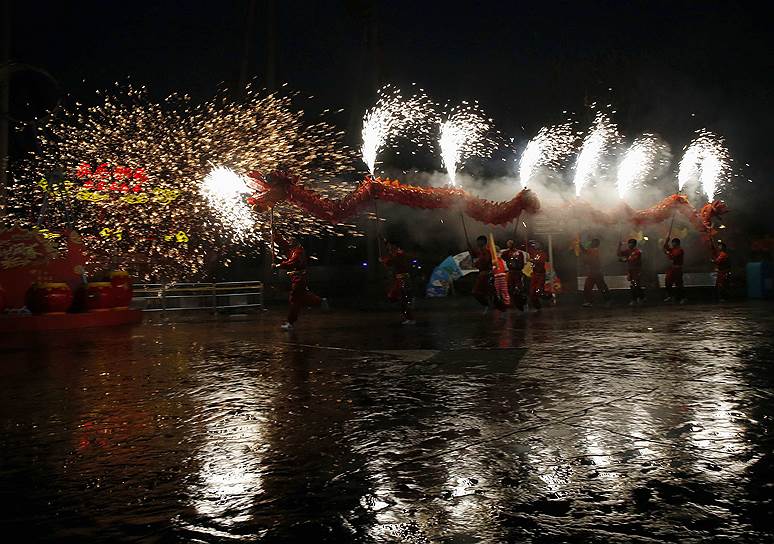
604,426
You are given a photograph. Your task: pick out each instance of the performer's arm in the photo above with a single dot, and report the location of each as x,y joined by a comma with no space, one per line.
284,245
293,258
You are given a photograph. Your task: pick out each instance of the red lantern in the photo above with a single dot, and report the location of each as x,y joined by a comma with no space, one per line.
49,298
99,296
122,288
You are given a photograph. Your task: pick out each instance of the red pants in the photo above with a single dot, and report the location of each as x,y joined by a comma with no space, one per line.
482,289
634,284
516,287
722,282
400,291
674,279
502,297
300,297
588,286
537,284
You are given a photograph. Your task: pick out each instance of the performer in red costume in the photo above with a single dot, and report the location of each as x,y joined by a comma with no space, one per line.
722,263
400,290
300,295
674,275
594,274
482,259
514,259
537,281
632,256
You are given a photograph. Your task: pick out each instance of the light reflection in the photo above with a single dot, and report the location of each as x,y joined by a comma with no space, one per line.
229,460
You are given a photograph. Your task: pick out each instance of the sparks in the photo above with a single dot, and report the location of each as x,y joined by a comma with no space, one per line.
465,133
127,172
707,162
393,116
122,173
549,148
225,191
645,158
598,142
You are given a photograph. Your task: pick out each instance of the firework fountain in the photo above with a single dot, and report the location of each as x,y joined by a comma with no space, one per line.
548,149
391,117
707,163
645,159
465,133
226,193
600,140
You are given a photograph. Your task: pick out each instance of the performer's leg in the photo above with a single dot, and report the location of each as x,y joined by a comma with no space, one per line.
669,282
634,287
679,284
603,288
294,308
721,286
481,289
310,299
405,295
405,305
536,286
588,287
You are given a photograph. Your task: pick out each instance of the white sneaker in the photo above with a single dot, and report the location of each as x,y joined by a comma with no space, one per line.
408,322
586,304
324,305
668,299
683,300
633,303
286,326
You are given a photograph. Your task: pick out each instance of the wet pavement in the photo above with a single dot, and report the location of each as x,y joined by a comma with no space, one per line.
619,425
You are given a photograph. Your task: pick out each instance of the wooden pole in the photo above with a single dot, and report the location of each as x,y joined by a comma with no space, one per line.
378,229
464,228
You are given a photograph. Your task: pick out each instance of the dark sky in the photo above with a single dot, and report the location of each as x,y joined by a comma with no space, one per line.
673,66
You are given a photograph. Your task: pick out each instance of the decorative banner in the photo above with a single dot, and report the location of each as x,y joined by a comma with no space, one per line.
118,179
102,193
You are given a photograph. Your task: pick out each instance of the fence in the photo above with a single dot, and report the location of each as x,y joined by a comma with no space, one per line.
156,297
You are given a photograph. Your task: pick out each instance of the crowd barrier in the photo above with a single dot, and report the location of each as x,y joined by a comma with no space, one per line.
156,297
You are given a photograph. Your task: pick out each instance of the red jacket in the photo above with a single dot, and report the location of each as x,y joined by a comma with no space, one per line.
296,261
675,254
513,258
633,258
482,259
398,261
538,259
721,260
591,260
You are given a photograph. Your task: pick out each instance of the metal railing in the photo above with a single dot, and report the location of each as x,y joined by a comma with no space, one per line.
157,297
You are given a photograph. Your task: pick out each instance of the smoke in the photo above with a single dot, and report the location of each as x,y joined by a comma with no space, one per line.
437,233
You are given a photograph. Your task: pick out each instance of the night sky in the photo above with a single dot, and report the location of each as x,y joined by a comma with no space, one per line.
668,67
